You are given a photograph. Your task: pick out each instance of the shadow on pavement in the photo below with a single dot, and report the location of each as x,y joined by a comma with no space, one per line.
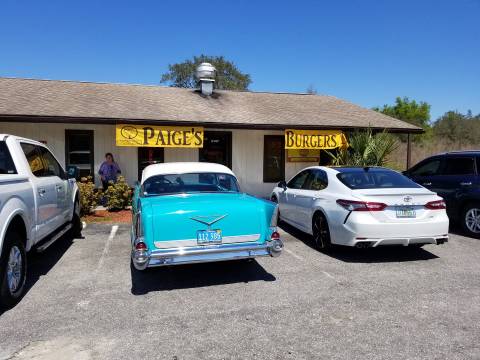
197,275
39,264
372,255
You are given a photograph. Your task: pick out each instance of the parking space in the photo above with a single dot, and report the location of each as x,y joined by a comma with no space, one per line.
84,301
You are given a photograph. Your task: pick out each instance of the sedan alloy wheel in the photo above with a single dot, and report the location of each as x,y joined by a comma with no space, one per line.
321,233
472,220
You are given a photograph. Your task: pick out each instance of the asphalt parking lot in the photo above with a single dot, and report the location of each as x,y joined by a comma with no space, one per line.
394,303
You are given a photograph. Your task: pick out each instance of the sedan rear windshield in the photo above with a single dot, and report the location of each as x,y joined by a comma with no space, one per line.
189,183
374,179
6,163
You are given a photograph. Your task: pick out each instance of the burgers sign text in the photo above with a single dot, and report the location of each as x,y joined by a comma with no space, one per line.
314,139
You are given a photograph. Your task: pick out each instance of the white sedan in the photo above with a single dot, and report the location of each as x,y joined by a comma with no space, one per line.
362,207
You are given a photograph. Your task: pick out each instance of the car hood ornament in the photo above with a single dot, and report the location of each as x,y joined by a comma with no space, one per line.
208,220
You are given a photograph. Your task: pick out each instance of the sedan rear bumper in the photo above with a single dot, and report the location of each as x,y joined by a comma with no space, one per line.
200,254
374,242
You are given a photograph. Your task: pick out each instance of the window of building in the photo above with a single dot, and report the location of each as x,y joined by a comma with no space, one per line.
148,156
273,158
217,148
79,151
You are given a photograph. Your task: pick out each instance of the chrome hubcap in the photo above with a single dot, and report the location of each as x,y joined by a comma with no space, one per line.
14,269
472,220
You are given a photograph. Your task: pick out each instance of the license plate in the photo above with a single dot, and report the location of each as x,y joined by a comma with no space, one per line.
406,212
208,237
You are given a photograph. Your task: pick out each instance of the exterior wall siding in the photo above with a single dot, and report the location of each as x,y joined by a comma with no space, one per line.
247,151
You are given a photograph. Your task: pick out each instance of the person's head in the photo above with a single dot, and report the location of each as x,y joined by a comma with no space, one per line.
109,157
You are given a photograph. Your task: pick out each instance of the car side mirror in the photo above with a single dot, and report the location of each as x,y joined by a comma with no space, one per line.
283,185
73,172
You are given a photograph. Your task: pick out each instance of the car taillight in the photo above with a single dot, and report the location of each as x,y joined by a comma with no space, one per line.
352,205
138,225
275,235
141,246
436,205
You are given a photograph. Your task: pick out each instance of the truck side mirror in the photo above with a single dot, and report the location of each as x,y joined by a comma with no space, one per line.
73,172
283,185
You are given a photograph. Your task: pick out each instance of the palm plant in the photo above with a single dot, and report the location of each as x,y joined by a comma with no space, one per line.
365,149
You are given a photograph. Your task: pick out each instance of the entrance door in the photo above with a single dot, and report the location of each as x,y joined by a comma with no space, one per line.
217,148
148,156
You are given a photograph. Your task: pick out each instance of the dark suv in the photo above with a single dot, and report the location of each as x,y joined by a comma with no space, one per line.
455,176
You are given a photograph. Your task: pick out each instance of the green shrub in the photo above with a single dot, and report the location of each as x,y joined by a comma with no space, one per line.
118,195
89,196
366,149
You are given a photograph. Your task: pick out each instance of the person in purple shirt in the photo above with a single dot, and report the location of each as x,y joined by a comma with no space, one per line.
109,170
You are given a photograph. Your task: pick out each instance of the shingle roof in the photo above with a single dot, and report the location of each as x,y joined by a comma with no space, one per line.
54,100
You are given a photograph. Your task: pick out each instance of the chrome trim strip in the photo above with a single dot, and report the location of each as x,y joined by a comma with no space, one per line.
212,253
193,242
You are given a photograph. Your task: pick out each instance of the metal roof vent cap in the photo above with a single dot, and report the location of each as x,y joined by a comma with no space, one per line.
206,76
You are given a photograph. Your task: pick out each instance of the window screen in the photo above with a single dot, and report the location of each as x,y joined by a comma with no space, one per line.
273,158
79,151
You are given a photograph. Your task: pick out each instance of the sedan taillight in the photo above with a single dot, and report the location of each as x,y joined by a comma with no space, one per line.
436,205
352,205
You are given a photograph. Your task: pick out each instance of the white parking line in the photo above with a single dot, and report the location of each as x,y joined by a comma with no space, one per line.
293,254
113,232
328,275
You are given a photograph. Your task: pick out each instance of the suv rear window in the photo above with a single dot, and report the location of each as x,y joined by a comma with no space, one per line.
374,179
459,166
6,163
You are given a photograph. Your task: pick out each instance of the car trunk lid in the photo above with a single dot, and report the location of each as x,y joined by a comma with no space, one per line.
403,204
176,219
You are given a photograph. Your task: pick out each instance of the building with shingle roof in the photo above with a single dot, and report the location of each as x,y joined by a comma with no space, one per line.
81,121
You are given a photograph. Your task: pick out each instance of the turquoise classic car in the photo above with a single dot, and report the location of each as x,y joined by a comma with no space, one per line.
195,212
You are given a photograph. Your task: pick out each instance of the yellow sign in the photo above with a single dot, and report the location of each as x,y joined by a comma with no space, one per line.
159,136
303,155
314,139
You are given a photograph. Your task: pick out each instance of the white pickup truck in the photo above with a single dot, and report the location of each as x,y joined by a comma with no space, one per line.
39,202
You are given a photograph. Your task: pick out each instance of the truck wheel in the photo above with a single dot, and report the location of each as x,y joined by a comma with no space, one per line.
471,220
13,270
77,226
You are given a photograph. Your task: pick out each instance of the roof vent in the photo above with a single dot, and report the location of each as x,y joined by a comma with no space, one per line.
206,76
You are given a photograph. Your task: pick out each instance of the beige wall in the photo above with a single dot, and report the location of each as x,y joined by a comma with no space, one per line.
247,151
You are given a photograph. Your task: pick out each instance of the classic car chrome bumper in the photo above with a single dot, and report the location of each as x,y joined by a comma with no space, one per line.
199,254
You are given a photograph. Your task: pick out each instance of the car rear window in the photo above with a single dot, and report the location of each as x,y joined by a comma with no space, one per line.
459,166
374,179
6,163
189,183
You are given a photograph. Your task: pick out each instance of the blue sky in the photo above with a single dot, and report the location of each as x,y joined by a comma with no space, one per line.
365,51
